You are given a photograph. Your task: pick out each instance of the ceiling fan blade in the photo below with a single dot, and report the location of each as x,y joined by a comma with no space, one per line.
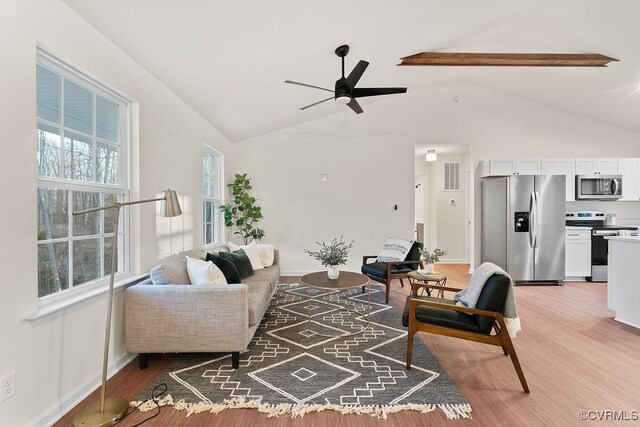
353,104
375,91
315,103
355,74
304,84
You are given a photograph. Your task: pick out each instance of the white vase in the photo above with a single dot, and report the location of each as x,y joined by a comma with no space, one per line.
430,268
333,272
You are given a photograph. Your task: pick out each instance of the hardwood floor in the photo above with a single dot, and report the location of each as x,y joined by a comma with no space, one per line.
574,355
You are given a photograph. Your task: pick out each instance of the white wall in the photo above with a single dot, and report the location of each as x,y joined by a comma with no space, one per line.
58,357
370,160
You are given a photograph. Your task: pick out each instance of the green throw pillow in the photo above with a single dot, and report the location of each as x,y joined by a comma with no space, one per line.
240,260
228,269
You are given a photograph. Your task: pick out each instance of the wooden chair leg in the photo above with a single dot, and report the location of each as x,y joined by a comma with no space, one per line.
388,285
409,348
514,359
401,282
363,289
505,351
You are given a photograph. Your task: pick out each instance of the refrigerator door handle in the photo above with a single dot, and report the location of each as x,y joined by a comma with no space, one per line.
536,220
532,213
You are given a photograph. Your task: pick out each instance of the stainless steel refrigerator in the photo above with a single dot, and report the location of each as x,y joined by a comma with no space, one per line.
523,226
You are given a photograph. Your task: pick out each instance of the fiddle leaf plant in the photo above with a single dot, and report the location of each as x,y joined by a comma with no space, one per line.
243,213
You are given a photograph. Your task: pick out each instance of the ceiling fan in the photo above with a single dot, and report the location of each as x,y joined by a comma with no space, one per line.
345,91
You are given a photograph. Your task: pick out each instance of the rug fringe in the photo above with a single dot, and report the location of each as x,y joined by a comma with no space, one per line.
452,411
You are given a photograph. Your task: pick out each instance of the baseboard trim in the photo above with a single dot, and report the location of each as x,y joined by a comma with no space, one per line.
77,395
452,261
295,273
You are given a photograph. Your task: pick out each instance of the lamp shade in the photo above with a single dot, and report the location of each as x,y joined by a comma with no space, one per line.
170,204
431,156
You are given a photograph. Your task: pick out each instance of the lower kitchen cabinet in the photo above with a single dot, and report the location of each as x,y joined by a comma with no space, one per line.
578,253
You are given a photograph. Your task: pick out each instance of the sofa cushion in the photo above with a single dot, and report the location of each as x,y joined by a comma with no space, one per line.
252,253
267,254
269,276
240,259
258,302
204,272
170,273
228,269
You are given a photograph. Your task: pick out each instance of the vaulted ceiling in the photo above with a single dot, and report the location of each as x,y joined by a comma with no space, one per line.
228,59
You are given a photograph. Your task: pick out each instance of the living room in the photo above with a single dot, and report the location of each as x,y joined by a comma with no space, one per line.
191,79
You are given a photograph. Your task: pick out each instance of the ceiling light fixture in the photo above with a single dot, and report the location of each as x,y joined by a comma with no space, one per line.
343,99
431,156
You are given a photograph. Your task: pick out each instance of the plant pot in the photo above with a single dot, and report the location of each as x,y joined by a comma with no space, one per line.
333,273
430,268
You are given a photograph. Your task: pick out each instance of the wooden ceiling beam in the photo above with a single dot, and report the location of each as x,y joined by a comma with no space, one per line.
507,59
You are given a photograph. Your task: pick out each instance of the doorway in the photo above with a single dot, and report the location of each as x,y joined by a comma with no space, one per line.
442,191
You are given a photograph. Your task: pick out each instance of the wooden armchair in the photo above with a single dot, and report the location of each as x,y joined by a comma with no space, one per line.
441,316
386,272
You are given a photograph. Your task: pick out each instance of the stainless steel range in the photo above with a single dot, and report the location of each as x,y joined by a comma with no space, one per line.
599,245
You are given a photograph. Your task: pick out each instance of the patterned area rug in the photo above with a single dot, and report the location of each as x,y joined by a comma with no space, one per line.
289,371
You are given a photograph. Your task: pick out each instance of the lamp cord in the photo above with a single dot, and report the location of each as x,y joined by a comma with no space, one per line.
154,398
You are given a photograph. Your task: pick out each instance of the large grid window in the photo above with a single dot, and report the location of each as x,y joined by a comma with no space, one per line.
82,143
211,184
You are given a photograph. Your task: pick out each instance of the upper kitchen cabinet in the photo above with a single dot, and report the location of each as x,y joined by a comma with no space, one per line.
596,166
564,167
504,167
630,171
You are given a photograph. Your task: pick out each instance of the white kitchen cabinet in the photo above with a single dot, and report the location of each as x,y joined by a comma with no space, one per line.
596,166
505,167
630,171
578,252
564,167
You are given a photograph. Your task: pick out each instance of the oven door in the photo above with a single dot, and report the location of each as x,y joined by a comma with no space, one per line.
600,246
598,187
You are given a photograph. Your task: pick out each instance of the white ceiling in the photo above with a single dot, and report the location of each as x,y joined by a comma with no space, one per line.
229,59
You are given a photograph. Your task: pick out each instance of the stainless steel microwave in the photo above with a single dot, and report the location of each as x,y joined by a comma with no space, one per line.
598,187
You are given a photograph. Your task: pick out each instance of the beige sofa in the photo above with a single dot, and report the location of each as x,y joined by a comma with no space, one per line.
179,318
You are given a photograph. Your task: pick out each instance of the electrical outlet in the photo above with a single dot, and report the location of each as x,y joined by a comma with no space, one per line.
7,386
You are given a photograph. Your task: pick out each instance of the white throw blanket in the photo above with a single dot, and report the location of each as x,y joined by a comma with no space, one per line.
469,296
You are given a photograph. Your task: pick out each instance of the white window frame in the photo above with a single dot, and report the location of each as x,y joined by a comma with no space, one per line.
217,223
123,188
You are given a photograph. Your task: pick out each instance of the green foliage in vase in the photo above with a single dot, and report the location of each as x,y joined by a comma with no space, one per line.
335,253
243,212
432,257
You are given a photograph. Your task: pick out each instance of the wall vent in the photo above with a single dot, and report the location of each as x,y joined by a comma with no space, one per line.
452,177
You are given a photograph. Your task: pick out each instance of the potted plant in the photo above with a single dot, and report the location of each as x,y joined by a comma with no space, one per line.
430,258
243,211
331,255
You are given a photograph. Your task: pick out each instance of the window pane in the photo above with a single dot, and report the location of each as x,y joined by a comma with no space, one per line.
86,224
108,244
208,238
107,164
53,214
48,151
110,214
106,119
86,261
207,211
53,268
48,96
209,175
78,157
78,108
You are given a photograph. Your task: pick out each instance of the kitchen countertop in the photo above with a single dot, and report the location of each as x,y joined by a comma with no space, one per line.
633,239
573,227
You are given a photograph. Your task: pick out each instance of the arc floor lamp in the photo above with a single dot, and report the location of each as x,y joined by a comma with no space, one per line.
107,411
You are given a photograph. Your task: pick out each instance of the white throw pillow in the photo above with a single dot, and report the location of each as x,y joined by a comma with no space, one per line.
252,253
267,254
204,272
395,250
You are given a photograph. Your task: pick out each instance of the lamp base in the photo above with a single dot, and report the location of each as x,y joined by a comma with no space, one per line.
114,409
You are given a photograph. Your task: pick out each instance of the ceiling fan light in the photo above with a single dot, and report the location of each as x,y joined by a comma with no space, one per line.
431,156
343,99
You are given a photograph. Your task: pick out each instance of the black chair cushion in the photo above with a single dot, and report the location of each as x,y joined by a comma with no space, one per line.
379,269
439,316
414,255
492,298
